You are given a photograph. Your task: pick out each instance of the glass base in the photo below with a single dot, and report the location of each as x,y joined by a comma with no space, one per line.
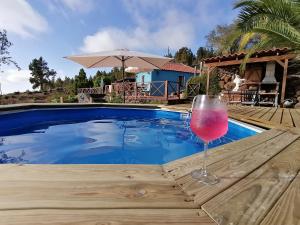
203,176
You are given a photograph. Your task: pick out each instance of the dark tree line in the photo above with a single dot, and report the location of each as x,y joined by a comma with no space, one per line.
186,56
43,77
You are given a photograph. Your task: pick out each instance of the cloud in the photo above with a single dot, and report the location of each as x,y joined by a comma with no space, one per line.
159,25
15,80
173,28
79,5
19,17
61,6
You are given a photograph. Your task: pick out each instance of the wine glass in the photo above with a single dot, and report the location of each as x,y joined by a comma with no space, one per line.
209,122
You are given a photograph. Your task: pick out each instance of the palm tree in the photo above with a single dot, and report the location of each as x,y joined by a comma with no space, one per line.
275,22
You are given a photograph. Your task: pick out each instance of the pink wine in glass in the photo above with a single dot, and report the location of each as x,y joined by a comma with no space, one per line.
209,124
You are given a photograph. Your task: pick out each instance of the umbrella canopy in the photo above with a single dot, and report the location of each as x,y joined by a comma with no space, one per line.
120,58
117,58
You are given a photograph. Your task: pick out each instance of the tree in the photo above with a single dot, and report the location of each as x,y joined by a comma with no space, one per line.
81,80
184,55
5,58
169,54
69,86
59,83
276,22
203,53
41,75
224,39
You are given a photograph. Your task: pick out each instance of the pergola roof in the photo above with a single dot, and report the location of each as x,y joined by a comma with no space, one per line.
241,55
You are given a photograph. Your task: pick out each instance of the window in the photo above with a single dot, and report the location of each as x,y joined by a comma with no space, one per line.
181,81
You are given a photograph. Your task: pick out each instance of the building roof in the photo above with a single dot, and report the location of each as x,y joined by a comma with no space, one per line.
179,67
241,55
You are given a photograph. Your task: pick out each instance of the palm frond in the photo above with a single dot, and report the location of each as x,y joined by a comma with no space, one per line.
278,21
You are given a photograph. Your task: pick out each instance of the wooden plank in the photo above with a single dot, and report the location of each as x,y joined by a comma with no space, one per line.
30,187
181,167
269,114
286,210
249,200
261,113
287,118
296,117
253,121
276,118
244,110
234,168
31,172
257,110
110,216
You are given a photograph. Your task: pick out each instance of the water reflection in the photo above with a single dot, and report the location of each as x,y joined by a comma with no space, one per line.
117,138
5,158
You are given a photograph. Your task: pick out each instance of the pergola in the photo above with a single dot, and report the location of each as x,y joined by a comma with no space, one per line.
279,55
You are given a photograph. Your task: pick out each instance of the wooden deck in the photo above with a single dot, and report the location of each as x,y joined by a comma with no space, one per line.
269,117
259,184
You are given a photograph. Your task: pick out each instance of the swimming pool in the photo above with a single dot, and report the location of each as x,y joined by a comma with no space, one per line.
101,136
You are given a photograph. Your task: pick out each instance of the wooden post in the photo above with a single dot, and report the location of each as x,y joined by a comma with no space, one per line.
178,90
285,71
166,90
61,99
135,90
207,79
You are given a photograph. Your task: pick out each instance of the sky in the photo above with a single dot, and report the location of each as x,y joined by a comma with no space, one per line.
56,28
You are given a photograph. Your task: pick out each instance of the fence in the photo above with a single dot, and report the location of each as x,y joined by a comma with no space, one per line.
91,91
192,89
155,90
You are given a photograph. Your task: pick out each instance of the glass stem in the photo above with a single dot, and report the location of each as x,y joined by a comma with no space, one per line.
204,166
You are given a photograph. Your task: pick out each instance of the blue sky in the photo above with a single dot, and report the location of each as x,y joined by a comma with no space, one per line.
56,28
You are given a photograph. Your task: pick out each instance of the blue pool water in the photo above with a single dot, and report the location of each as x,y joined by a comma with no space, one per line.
101,136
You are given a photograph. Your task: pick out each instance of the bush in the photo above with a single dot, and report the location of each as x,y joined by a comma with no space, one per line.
214,87
70,99
116,98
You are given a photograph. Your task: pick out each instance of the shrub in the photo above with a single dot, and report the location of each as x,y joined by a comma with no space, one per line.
214,87
116,98
70,99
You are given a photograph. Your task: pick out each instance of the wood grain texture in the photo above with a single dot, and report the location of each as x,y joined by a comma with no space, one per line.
72,187
296,117
105,217
287,118
234,168
46,172
181,167
254,112
261,113
269,114
248,201
276,118
287,210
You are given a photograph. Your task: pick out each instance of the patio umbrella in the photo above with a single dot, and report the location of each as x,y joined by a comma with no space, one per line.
120,58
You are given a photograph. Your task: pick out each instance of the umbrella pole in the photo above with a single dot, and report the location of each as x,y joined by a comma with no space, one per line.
123,74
